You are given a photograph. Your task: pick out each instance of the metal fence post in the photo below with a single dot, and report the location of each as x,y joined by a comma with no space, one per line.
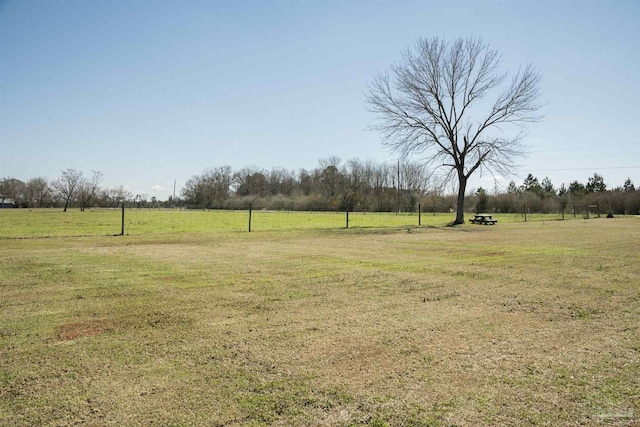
122,228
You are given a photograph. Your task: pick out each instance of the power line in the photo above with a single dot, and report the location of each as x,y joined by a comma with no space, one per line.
582,148
580,169
626,155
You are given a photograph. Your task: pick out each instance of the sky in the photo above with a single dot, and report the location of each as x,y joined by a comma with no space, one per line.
149,92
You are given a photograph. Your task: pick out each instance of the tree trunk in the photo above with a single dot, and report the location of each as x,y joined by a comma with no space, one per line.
462,187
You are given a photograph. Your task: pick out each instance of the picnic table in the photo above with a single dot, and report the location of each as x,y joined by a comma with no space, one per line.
483,219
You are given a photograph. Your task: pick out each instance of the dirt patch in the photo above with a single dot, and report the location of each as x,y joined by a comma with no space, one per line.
82,329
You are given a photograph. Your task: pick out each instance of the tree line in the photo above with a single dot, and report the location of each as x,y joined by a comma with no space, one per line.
334,185
541,196
71,189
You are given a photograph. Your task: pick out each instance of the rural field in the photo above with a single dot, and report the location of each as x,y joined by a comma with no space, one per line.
184,321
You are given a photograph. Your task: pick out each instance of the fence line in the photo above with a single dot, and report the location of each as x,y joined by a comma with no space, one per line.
27,223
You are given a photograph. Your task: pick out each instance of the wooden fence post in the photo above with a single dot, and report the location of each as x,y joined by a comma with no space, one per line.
249,217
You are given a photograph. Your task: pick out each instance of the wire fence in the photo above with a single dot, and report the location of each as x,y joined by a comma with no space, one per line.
38,223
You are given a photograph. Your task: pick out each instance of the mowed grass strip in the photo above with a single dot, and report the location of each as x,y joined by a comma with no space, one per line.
23,223
517,324
36,223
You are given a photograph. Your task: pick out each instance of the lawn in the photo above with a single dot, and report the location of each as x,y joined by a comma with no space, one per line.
533,323
22,223
29,223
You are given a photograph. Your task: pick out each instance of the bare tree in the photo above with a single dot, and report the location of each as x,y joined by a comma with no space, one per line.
37,192
113,196
12,188
432,104
210,189
415,177
88,189
280,181
331,179
381,181
67,184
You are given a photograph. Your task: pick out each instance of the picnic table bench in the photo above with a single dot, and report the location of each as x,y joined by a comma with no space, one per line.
483,219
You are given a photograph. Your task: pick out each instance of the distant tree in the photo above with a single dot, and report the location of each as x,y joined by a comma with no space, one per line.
563,198
382,179
512,188
415,177
357,183
331,179
305,182
531,185
67,184
628,185
114,196
367,171
210,189
562,190
414,183
596,184
88,189
280,181
548,189
429,106
577,189
143,200
38,191
483,200
12,188
251,183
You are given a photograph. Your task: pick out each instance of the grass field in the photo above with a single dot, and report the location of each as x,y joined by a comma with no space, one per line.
533,323
22,223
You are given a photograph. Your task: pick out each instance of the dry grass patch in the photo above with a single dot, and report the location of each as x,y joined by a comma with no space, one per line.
86,328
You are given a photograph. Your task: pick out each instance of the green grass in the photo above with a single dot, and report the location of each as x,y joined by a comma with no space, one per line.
532,323
103,222
22,223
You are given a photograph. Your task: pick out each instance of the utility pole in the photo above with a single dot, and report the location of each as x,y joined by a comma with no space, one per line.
173,200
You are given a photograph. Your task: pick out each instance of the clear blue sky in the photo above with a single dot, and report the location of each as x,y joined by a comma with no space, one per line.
149,91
